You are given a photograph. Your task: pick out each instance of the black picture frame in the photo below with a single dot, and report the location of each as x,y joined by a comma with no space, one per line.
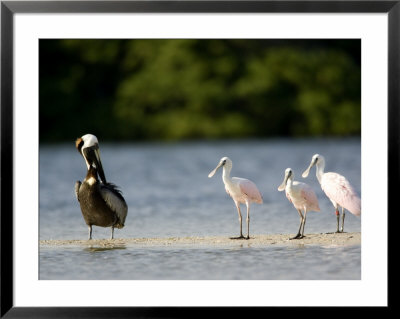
9,8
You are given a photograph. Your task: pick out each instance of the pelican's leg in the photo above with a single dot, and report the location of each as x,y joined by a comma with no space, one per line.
90,232
112,232
240,221
343,214
301,223
248,220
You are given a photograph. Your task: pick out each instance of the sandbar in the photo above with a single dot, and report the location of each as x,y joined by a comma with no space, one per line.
322,239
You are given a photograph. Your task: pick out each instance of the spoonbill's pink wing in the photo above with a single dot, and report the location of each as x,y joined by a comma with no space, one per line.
338,189
311,199
250,189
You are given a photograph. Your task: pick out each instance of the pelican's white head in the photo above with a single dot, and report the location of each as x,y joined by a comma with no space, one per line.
224,162
88,147
318,160
84,142
89,140
288,175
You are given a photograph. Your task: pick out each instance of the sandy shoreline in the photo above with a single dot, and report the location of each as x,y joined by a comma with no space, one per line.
323,239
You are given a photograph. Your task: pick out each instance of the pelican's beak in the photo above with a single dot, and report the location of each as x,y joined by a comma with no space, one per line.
307,171
212,173
283,185
92,155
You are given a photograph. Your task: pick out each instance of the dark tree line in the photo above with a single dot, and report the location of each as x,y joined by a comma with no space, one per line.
195,89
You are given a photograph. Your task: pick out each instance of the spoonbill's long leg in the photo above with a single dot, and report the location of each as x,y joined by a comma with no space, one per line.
337,219
240,221
343,214
248,219
304,222
301,223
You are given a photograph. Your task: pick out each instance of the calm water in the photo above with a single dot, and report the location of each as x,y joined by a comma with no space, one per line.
169,195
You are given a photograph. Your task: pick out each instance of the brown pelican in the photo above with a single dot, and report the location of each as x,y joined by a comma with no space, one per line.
101,202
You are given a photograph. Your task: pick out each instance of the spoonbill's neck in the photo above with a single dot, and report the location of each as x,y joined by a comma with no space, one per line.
320,170
226,174
289,183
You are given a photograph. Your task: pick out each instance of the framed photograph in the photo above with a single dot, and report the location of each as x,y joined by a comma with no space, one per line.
119,118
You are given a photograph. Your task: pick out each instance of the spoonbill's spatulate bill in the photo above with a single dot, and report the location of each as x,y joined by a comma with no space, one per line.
102,204
337,188
301,196
242,191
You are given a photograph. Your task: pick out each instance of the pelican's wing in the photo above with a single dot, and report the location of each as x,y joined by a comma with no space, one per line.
113,198
338,189
77,186
250,189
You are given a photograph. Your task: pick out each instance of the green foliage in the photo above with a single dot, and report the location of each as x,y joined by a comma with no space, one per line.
189,89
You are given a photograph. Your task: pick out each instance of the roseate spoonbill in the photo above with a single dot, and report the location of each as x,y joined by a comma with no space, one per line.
242,191
102,203
301,196
337,188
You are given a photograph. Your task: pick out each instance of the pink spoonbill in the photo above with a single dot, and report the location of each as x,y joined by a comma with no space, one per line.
242,191
301,196
337,188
